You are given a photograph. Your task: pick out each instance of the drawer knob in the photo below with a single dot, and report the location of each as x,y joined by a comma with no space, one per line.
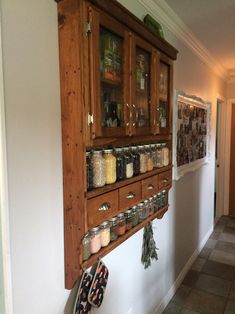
150,187
165,180
104,206
130,195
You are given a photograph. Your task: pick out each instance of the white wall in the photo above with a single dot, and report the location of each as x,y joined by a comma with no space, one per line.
31,73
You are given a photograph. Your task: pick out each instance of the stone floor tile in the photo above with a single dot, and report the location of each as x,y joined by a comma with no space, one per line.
198,264
223,220
205,252
186,311
181,295
205,303
215,235
222,257
231,223
172,309
219,270
211,243
219,228
230,307
226,247
229,230
214,285
227,237
232,291
191,278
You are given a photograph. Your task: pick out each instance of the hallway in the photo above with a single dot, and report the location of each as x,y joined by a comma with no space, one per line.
209,287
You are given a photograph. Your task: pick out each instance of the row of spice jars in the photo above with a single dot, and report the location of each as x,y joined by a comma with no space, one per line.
110,230
111,165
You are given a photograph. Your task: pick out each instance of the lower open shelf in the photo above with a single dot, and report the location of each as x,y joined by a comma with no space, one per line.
104,251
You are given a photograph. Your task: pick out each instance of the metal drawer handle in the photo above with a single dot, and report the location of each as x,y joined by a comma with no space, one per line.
150,187
165,180
130,195
104,206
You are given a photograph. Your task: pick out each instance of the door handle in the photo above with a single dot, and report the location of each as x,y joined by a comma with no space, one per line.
104,206
130,195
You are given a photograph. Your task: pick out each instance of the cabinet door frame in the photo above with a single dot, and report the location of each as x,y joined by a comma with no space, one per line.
99,19
169,63
142,44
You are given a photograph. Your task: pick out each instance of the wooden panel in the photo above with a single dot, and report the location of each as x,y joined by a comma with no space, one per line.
232,166
149,187
129,195
102,208
165,180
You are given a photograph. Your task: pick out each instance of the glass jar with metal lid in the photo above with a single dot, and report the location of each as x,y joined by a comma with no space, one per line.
159,156
136,160
149,158
89,171
151,205
99,171
141,211
128,162
164,198
128,216
105,233
155,202
121,229
159,200
95,240
113,222
165,155
143,159
146,209
86,245
135,216
120,164
110,166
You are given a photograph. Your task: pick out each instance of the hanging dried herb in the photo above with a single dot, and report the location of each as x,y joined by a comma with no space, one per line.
149,250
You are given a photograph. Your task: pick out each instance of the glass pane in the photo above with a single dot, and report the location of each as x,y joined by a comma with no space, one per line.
111,79
142,88
163,95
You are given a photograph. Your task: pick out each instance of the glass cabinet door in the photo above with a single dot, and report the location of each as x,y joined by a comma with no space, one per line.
142,87
109,63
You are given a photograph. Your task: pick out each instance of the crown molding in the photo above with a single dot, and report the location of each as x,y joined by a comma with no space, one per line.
160,10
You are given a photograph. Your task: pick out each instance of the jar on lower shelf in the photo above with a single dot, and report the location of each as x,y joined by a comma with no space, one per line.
159,200
155,202
113,228
141,211
143,159
105,233
151,205
146,209
86,245
135,216
95,240
128,163
149,158
121,229
164,198
128,216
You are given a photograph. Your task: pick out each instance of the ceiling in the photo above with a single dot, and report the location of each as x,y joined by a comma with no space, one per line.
213,23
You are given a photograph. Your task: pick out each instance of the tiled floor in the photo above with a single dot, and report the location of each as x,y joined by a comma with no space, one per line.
209,287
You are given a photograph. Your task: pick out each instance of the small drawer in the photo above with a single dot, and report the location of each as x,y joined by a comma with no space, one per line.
129,195
102,208
149,187
165,180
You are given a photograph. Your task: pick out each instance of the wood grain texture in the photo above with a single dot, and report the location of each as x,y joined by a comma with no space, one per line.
125,202
232,166
149,187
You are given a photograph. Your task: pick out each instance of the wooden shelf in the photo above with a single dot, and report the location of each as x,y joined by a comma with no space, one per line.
104,251
112,83
119,184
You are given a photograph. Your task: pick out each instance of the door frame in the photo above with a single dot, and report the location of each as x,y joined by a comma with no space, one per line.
227,155
4,208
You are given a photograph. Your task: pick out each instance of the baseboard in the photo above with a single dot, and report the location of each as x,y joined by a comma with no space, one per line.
182,274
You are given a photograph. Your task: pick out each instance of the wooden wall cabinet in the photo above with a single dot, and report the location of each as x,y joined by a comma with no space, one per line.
101,107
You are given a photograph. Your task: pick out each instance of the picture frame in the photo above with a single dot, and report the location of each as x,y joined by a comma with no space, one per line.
191,133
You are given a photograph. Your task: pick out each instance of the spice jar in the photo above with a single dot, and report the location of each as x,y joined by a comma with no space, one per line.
159,200
143,159
128,216
165,155
151,205
135,216
105,233
110,166
155,203
141,211
99,172
89,171
146,209
113,228
121,229
159,156
164,198
153,153
136,160
128,162
149,158
120,164
95,240
86,245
